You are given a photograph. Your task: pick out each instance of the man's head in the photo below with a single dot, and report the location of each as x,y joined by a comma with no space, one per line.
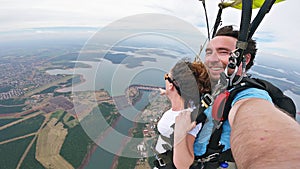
219,48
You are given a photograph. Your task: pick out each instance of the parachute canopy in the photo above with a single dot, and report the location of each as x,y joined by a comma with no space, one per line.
238,3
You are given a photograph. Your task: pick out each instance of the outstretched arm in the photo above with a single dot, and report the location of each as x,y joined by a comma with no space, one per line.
183,156
262,136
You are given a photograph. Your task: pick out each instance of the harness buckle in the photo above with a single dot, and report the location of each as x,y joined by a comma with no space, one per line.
218,124
207,100
209,158
161,162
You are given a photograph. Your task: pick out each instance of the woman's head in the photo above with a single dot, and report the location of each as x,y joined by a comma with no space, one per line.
191,81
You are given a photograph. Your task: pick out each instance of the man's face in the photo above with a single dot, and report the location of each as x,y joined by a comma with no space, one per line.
217,54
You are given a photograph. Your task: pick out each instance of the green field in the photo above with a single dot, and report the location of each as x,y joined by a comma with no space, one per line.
7,121
7,110
12,101
76,146
10,153
22,128
30,162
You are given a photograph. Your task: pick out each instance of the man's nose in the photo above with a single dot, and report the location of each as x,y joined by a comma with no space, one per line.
214,57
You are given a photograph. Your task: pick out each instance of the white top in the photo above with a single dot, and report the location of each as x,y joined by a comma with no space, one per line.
165,128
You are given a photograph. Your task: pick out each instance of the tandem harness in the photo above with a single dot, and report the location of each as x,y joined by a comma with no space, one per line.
214,157
165,160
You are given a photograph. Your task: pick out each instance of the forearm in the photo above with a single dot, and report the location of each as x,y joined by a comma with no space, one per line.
264,137
183,152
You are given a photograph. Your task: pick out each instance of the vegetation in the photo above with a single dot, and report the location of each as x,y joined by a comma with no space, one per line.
125,162
108,112
64,62
48,90
60,119
76,79
10,153
92,120
7,121
138,131
30,161
22,128
70,121
77,142
106,109
150,161
66,94
14,109
5,88
76,146
58,114
17,101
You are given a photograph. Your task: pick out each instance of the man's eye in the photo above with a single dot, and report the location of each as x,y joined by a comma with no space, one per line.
224,53
208,53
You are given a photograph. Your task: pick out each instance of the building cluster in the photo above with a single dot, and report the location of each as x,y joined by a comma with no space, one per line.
18,78
11,93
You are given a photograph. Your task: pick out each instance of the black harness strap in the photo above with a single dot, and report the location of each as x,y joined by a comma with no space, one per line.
244,84
260,15
247,30
205,102
218,20
214,145
275,93
242,44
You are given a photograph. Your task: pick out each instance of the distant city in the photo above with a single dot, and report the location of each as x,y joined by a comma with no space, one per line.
21,76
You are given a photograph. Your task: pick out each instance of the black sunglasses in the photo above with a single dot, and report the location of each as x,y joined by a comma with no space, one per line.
167,77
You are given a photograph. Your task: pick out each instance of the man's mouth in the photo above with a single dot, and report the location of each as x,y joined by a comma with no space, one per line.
216,68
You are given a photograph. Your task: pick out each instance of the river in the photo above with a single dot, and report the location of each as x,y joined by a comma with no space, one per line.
102,157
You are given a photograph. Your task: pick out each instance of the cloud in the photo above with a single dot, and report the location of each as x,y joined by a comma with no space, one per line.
15,15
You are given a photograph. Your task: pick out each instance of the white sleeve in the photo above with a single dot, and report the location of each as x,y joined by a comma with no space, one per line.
195,130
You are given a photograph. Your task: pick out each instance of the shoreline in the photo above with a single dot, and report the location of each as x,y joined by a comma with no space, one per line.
130,134
125,141
96,143
61,90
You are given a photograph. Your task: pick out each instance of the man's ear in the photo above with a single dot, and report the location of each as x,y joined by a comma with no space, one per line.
248,58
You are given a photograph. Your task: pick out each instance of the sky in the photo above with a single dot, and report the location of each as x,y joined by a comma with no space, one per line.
277,34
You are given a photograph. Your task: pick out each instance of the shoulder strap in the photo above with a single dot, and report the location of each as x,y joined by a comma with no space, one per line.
278,97
244,84
214,145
